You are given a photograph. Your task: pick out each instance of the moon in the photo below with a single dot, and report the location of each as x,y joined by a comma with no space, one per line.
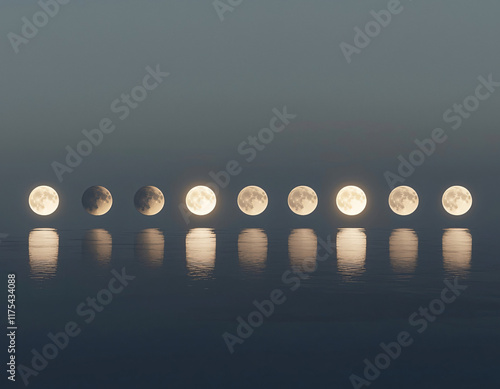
302,200
43,200
252,200
201,200
403,200
351,200
97,200
149,200
457,200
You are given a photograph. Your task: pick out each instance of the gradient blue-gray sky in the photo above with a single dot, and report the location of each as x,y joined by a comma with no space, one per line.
353,120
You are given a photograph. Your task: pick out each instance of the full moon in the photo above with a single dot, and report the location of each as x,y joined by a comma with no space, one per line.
302,200
351,200
97,200
43,200
252,200
201,200
403,200
149,200
457,200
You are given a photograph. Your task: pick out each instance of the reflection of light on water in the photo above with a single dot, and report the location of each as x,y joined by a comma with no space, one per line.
98,244
252,249
351,251
303,249
457,250
150,246
403,247
200,252
43,246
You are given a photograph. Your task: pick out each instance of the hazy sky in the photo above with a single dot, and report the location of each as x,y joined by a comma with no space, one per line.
353,119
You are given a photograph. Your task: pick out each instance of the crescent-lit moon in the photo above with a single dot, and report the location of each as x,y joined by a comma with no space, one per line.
351,200
302,200
201,200
43,200
252,200
403,200
149,200
97,200
457,200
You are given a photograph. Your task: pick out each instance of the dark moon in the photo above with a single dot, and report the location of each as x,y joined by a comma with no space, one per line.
149,200
97,200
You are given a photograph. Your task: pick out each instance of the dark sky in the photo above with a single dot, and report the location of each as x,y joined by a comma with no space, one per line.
353,119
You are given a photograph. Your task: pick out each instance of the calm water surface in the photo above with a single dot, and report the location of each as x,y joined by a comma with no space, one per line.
342,293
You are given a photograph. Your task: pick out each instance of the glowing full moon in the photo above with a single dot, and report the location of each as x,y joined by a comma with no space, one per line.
97,200
43,200
252,200
351,200
149,200
403,200
457,200
302,200
201,200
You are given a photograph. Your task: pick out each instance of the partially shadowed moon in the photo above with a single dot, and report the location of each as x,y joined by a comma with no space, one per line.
403,200
252,200
302,200
351,200
457,200
201,200
149,200
97,200
43,200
